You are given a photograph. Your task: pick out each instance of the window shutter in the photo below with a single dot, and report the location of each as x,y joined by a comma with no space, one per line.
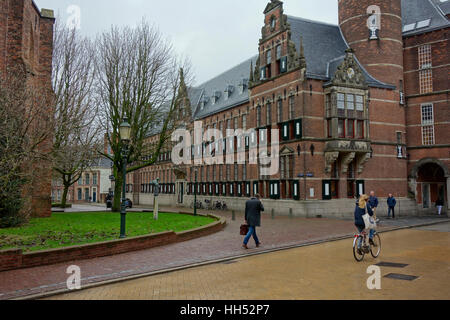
326,190
296,190
283,65
298,129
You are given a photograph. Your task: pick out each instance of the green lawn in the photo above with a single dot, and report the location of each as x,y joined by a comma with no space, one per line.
69,229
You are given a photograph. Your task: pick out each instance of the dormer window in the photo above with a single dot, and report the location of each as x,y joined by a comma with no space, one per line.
228,92
242,86
203,102
215,97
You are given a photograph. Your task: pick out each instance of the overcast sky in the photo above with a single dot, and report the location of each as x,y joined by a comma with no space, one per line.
215,35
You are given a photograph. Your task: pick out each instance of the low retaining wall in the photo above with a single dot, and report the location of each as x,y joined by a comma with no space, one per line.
16,259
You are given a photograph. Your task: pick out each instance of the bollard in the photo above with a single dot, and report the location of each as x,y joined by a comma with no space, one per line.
273,214
233,215
291,214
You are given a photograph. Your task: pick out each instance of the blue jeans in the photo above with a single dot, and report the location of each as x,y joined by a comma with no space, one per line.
393,212
361,229
251,232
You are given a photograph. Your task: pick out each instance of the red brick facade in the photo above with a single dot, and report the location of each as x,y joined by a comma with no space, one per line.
322,163
26,40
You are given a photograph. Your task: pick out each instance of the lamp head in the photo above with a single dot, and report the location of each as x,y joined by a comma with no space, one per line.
125,131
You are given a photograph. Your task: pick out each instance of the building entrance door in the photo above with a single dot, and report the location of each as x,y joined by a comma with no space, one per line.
180,190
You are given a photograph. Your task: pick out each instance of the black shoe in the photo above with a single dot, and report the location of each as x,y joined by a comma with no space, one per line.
245,246
258,245
372,243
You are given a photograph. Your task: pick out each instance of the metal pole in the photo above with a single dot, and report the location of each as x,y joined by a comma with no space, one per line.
195,195
123,211
233,214
273,214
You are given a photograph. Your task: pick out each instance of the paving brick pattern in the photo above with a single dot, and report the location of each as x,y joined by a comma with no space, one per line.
275,233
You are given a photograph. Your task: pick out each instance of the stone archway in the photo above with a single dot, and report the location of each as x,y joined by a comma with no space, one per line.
430,180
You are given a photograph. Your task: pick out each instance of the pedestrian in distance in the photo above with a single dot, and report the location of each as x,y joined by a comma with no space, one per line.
253,209
362,206
439,205
391,202
373,202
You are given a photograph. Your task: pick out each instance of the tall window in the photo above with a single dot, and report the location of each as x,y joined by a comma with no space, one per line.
427,125
87,179
425,67
292,107
280,110
244,122
94,178
258,116
269,114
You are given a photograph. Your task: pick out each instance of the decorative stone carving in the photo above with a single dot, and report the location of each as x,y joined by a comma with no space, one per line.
330,158
349,73
361,161
180,172
347,146
346,160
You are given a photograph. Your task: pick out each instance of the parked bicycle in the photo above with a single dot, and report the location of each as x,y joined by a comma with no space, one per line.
198,205
219,205
366,248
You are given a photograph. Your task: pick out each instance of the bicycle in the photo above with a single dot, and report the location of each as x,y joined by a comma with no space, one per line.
198,204
365,249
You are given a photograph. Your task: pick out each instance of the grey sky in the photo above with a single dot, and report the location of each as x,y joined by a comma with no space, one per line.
215,35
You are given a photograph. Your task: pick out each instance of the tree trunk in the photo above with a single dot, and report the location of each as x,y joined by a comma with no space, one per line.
64,196
117,192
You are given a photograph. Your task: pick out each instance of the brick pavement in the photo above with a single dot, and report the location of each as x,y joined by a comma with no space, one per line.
275,233
324,271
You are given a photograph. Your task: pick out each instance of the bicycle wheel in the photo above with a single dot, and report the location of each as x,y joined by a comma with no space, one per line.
359,256
375,250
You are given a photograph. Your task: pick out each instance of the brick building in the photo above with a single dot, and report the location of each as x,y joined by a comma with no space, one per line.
92,187
360,106
26,42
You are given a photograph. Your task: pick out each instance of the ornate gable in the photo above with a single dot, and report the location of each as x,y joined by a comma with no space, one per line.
349,73
272,5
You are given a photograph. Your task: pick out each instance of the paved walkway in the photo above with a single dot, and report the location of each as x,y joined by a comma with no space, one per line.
277,233
324,271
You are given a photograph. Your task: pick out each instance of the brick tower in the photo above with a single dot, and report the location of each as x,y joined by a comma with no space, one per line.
373,29
26,43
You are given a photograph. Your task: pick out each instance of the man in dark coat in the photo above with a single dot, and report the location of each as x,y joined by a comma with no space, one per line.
253,209
391,202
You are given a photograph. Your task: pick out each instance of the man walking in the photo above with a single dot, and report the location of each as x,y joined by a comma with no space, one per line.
391,202
253,209
373,203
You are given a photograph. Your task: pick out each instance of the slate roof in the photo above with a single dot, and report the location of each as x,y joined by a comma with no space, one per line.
324,46
445,7
231,78
102,162
414,11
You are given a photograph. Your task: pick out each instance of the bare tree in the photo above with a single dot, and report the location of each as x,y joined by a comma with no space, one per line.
139,79
25,134
76,133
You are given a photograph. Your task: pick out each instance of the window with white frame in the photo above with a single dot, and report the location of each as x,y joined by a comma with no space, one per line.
425,67
427,125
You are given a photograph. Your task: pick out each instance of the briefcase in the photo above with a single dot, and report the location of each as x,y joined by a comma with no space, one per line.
244,230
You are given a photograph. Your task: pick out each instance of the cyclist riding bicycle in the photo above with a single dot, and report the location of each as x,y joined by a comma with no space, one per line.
360,210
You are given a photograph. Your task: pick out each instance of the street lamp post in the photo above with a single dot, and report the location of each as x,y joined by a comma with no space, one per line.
125,132
195,192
